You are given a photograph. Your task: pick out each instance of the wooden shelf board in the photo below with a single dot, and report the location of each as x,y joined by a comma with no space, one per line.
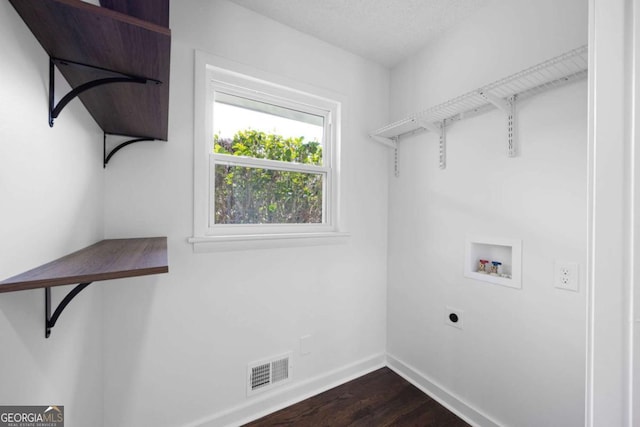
156,11
123,108
105,260
77,31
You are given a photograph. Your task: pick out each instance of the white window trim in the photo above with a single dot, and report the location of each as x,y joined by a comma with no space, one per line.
209,238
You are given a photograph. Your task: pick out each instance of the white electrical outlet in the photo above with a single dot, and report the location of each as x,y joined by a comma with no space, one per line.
453,317
566,275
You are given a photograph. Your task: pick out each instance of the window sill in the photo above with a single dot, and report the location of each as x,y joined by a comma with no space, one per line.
265,241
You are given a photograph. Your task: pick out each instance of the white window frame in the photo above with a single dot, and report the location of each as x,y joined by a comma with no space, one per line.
212,74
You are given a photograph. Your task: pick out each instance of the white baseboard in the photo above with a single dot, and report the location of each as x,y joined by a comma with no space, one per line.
438,393
296,392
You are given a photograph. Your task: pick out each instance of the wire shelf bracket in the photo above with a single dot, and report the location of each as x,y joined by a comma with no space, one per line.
433,127
508,106
502,95
441,130
443,145
389,142
396,159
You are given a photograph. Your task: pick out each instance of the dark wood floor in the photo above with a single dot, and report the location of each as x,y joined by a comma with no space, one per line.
381,398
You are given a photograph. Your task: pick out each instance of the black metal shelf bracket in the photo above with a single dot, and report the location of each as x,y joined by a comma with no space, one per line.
116,77
50,320
106,157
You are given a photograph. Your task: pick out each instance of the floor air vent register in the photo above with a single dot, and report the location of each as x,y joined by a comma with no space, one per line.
266,374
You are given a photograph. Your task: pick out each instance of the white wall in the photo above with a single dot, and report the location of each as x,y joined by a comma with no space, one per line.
51,188
184,340
519,361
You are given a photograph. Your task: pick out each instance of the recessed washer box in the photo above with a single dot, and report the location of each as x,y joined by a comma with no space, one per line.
506,251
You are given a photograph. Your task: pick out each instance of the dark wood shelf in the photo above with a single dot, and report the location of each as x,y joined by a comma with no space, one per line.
107,259
106,39
156,11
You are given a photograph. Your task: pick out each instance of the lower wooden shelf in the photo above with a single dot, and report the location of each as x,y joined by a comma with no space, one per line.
105,260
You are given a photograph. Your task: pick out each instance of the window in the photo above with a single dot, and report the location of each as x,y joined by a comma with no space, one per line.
266,157
267,160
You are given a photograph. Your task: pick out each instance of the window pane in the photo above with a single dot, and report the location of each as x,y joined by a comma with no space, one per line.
246,195
246,127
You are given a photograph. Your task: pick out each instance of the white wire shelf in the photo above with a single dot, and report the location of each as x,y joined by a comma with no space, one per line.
502,94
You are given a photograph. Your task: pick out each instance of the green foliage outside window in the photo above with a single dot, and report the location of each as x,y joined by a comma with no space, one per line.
251,195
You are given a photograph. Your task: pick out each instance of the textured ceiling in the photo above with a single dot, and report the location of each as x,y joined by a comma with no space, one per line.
385,31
